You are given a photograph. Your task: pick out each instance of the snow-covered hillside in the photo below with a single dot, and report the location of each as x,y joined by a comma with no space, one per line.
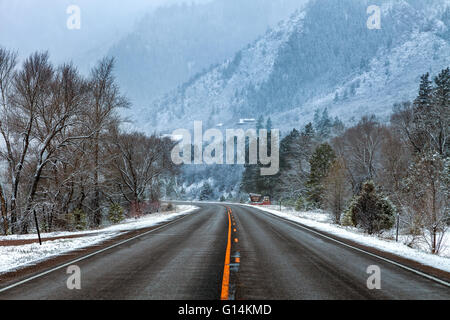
173,43
322,57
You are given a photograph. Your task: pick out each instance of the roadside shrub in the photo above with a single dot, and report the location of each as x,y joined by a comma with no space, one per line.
77,220
116,213
370,211
348,217
300,205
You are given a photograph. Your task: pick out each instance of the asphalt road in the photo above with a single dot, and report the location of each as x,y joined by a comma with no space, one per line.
270,258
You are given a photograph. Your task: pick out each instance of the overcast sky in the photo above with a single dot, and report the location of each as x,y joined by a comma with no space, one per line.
29,25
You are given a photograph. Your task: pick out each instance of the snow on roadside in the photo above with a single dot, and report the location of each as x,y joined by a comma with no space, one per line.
15,257
321,221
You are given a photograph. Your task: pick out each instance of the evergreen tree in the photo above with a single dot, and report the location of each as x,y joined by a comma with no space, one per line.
425,92
370,210
316,120
309,130
323,123
260,123
206,192
320,163
269,125
439,115
115,213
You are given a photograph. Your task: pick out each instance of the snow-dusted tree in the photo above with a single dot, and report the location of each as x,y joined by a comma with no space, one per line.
320,163
360,147
424,124
105,100
295,151
206,192
336,189
395,156
427,195
27,92
370,210
138,164
8,61
438,122
56,123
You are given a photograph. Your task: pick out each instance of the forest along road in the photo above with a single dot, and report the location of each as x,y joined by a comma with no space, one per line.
230,252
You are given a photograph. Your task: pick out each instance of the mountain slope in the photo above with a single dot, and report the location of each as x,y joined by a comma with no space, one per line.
172,44
322,57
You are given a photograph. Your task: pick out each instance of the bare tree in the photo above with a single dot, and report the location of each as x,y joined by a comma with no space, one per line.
426,191
8,61
105,99
140,161
23,95
336,189
360,147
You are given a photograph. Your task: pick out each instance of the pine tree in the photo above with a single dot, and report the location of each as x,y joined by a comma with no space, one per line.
320,163
439,115
425,92
370,210
269,125
309,130
206,192
260,123
115,213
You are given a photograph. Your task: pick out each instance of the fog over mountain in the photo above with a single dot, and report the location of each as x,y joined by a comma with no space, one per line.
321,57
173,43
222,60
30,25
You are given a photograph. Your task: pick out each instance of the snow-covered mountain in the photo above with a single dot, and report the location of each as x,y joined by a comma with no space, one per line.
173,43
322,57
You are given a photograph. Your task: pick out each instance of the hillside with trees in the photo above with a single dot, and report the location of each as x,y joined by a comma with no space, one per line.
369,174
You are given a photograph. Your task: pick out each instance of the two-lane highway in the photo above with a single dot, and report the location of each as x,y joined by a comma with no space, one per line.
236,251
181,261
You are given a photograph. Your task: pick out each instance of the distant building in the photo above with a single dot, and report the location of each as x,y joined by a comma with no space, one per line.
246,121
257,199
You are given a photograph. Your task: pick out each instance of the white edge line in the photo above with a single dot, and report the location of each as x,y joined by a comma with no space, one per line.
88,256
445,283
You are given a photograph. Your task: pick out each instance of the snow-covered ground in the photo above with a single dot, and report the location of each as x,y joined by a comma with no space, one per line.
14,257
322,221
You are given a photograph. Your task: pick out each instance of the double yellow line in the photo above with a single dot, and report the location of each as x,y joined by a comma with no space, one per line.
226,271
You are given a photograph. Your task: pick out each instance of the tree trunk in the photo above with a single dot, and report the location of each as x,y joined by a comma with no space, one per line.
97,213
4,213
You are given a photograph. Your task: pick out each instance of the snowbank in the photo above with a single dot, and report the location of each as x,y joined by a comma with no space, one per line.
14,257
322,221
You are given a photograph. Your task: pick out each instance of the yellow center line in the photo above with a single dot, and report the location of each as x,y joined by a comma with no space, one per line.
226,270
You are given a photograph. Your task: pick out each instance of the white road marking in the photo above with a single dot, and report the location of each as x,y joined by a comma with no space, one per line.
88,256
445,283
